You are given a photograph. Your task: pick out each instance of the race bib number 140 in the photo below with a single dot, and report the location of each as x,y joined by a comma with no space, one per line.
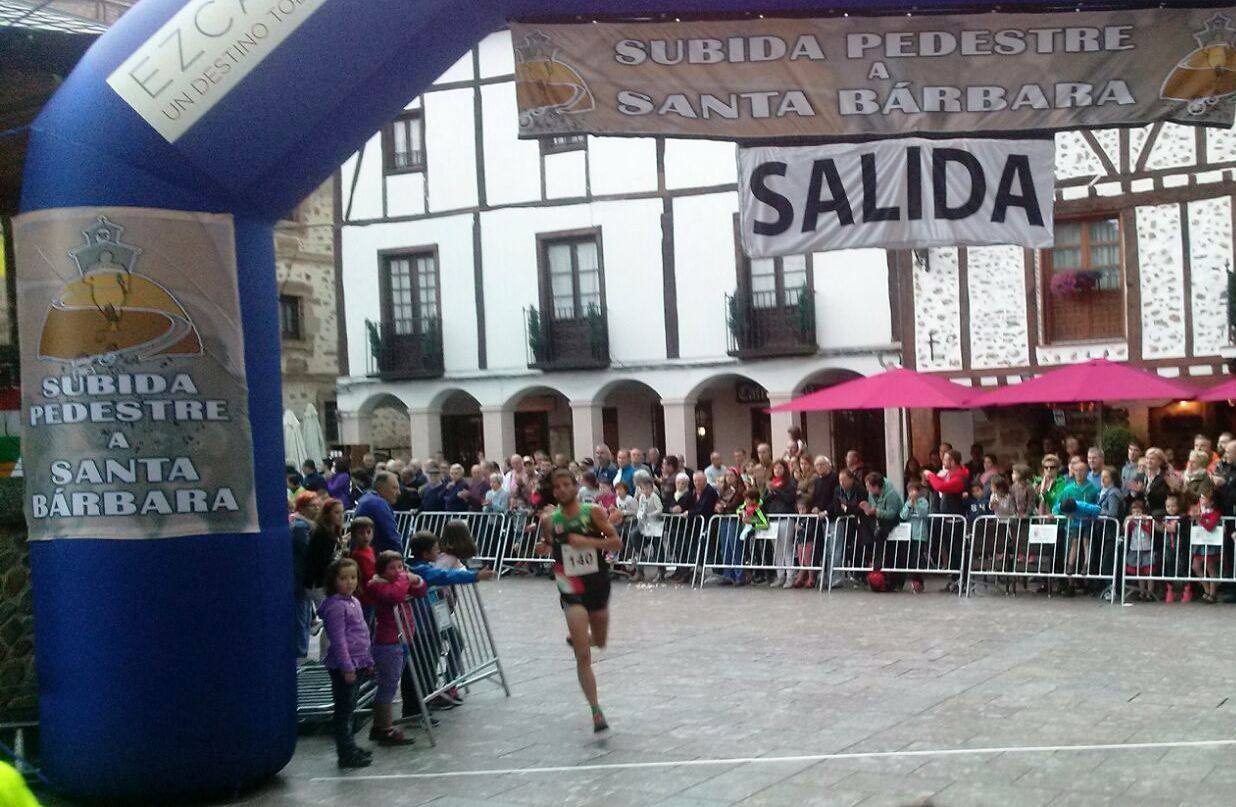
579,562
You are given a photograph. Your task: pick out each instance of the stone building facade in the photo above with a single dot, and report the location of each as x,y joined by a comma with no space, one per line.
308,314
1145,217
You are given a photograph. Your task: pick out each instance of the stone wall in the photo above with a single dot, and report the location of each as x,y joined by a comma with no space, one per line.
305,268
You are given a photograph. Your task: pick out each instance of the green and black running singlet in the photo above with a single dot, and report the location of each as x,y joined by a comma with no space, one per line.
582,574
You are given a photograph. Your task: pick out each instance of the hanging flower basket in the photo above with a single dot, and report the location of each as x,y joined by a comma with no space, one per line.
1082,281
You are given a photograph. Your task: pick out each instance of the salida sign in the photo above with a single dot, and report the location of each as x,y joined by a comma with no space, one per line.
896,194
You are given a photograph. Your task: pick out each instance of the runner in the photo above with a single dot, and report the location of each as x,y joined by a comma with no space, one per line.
578,535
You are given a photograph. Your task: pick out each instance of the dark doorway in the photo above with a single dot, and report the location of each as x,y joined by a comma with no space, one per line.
463,439
861,429
658,426
761,430
704,438
609,427
531,432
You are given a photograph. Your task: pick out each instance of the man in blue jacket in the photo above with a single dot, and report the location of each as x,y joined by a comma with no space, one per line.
376,504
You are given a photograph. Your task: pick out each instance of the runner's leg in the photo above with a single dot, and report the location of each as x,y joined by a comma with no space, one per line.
577,625
599,622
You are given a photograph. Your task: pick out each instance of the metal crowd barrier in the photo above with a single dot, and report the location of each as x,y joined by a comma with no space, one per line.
670,555
933,545
789,545
1175,551
489,530
1005,551
313,695
522,532
451,646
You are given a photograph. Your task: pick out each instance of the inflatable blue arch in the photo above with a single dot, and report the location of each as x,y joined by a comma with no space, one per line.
166,666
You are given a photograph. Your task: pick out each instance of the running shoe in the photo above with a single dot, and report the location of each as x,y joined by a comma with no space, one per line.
598,722
355,760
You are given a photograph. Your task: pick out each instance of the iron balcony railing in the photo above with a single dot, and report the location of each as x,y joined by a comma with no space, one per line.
411,351
560,340
766,323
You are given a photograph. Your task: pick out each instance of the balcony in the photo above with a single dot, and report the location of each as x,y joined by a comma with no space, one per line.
567,343
761,326
405,356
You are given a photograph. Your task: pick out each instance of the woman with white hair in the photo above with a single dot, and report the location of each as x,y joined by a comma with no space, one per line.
649,522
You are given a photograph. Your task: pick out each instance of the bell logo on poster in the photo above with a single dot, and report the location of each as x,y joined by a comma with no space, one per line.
546,88
110,311
1207,76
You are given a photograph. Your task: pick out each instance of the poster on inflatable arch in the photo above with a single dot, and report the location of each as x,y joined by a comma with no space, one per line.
877,76
134,397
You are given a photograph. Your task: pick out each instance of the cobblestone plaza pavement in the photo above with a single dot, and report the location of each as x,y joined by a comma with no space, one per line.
793,697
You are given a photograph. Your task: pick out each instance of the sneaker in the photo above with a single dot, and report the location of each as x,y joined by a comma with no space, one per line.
1187,594
389,737
453,695
442,704
598,722
354,760
1170,596
916,586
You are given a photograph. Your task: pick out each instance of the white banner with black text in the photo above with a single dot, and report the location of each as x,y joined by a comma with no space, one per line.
908,193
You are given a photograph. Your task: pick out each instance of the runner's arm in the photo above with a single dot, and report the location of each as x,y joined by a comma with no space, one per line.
610,543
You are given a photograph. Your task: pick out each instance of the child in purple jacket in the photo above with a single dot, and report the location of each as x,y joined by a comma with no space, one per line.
347,657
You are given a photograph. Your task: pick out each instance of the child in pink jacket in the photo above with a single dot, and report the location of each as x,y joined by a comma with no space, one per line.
388,591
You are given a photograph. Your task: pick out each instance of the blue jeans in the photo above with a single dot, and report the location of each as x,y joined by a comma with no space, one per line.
304,616
731,549
344,696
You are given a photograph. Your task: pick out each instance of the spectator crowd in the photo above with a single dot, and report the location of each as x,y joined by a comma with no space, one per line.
353,584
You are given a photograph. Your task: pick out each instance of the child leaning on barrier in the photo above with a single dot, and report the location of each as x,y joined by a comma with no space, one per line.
424,551
1025,500
389,589
456,546
1206,556
624,507
917,511
1139,547
348,659
1175,551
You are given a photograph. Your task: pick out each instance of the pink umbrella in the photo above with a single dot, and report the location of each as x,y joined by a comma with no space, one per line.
890,389
1224,391
1093,380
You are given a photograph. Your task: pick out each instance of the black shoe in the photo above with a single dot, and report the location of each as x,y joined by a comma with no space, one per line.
433,721
355,760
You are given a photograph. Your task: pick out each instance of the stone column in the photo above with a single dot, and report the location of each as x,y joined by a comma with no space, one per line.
426,432
587,428
894,447
780,422
499,430
679,427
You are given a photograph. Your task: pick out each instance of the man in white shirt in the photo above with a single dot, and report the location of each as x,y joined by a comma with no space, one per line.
715,472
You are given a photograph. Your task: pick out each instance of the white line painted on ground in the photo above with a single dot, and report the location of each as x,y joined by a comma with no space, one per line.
688,763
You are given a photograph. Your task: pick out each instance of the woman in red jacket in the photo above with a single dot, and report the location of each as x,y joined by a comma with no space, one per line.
950,486
389,590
